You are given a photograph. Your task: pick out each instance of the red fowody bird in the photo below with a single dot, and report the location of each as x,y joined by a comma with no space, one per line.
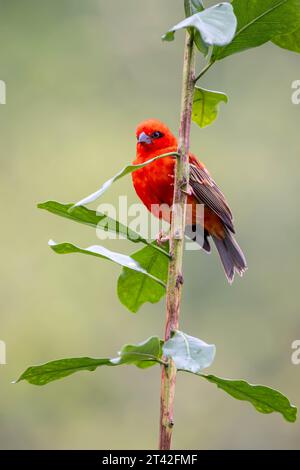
154,184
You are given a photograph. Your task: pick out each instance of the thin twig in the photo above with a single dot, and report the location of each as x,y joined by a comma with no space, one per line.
204,70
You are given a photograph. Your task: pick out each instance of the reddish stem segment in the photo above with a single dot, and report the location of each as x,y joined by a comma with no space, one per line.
175,278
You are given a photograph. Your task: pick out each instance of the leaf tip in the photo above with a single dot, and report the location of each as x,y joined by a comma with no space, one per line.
169,36
292,417
22,377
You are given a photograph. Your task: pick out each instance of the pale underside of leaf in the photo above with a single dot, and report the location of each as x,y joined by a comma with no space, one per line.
125,171
189,354
102,252
216,25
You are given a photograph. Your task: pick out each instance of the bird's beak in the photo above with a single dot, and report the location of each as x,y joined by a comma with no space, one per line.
143,138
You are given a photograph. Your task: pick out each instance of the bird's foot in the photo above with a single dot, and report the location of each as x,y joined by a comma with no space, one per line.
162,238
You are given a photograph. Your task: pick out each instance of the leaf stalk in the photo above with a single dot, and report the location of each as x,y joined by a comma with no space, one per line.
204,70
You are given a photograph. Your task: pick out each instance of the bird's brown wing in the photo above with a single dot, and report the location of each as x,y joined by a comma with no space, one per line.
207,192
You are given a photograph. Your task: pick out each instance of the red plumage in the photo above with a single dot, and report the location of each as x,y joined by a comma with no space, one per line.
154,184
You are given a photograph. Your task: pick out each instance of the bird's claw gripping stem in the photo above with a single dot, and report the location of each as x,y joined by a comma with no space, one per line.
162,238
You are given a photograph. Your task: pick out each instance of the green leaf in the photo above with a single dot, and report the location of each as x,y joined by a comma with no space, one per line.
101,252
135,289
264,399
289,41
203,48
95,219
125,171
92,218
189,354
260,21
216,25
205,106
193,6
55,370
142,355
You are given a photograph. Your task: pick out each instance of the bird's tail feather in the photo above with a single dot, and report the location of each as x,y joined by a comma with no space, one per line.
231,255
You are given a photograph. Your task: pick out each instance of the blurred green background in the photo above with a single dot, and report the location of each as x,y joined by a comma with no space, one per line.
80,75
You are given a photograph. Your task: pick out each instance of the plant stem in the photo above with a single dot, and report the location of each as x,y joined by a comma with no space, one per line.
175,278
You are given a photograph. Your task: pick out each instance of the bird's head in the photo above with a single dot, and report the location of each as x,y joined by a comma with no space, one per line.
153,135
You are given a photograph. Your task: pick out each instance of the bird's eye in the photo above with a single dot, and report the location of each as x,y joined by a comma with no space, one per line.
156,135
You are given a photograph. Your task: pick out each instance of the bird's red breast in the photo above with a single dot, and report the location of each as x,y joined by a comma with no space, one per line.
154,184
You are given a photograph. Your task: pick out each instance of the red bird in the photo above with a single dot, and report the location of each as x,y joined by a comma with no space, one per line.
154,184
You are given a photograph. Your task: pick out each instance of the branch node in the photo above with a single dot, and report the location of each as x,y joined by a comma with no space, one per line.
179,280
177,234
183,182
